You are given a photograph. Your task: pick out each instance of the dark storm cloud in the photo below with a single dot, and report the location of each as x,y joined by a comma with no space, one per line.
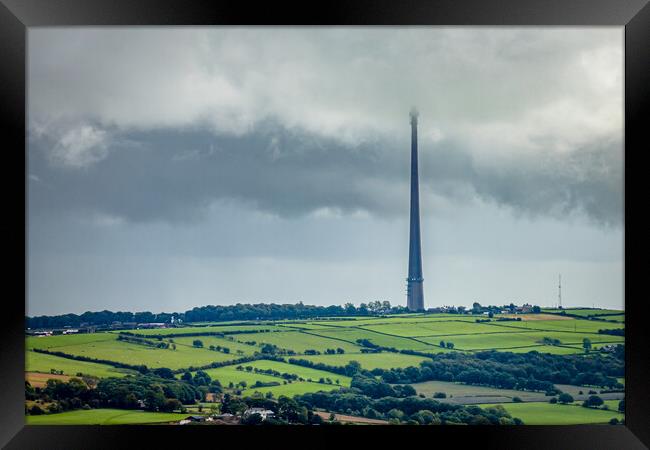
175,176
145,125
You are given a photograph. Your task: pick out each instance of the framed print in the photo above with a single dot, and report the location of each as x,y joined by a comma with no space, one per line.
255,225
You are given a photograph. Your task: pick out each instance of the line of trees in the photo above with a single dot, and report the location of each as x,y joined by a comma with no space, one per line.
409,410
218,313
525,371
613,332
143,341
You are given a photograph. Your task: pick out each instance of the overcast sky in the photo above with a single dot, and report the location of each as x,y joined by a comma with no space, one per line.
177,167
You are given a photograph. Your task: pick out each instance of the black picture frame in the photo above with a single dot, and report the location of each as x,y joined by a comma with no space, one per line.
18,15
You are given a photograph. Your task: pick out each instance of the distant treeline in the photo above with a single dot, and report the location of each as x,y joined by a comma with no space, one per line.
211,313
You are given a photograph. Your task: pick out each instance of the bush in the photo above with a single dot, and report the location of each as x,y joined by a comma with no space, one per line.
516,400
36,410
593,401
553,400
565,398
439,395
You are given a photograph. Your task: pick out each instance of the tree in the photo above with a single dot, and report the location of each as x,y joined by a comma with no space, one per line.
565,398
593,401
450,345
171,404
586,344
395,414
621,406
36,410
154,399
197,343
442,344
252,419
352,368
424,417
289,410
164,372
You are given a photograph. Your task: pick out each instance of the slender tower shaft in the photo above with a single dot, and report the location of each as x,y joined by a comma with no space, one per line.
415,293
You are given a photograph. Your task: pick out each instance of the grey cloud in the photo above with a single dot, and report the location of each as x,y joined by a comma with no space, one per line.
295,120
175,176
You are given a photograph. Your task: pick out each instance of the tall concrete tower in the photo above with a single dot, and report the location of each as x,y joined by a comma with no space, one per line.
414,291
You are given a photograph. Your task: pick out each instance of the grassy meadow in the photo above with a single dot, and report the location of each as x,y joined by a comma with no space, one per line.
416,332
104,417
544,413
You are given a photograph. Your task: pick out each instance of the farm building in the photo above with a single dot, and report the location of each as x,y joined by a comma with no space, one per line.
261,411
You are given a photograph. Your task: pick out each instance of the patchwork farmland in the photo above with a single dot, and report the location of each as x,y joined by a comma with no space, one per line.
292,358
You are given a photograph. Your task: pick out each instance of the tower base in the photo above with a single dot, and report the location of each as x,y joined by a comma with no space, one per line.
415,296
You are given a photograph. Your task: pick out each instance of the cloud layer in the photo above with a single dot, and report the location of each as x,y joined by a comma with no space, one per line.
156,124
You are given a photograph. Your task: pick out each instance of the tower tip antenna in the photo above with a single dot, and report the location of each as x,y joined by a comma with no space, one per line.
414,113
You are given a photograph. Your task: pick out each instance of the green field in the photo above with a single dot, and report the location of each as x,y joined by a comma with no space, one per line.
419,332
303,372
39,362
295,388
113,350
303,326
228,374
434,328
352,334
585,312
400,319
518,339
104,417
469,394
216,329
553,350
544,413
299,341
581,326
234,346
369,361
52,342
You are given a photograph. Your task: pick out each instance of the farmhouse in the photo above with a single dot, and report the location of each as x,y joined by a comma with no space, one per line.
190,419
524,309
152,325
41,333
261,411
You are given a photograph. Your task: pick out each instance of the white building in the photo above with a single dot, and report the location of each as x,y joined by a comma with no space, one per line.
261,411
